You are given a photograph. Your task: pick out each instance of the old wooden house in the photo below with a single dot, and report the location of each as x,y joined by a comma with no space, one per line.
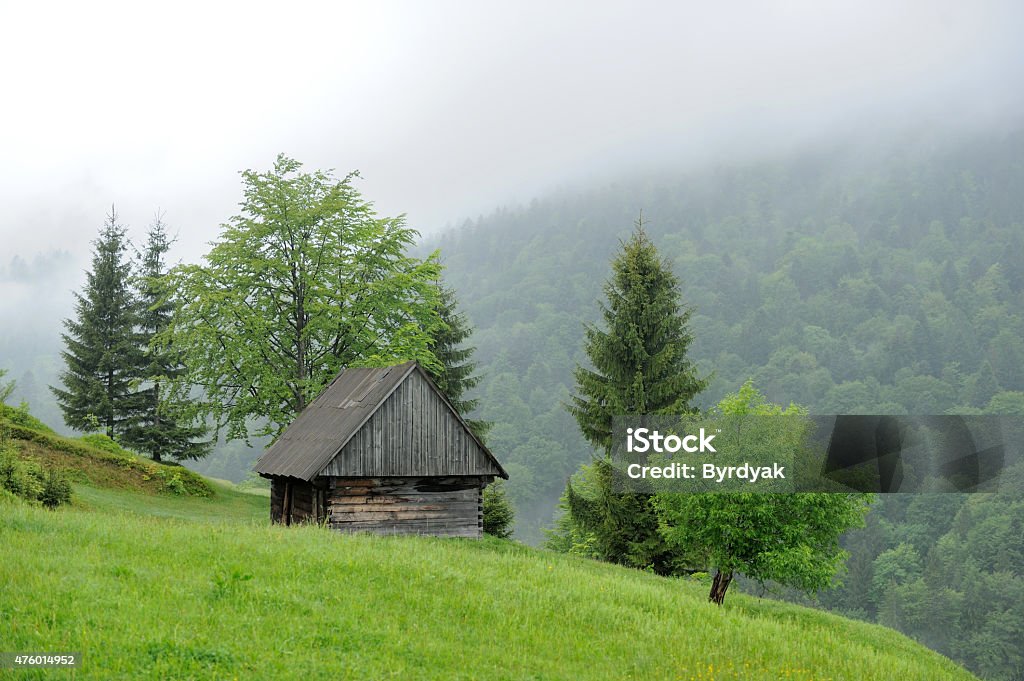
381,450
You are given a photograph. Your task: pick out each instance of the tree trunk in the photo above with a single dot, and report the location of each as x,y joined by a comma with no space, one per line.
156,415
719,586
110,404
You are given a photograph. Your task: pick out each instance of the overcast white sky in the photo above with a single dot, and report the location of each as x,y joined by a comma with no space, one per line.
450,108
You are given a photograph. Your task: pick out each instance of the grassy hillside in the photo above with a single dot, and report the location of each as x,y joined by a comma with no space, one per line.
166,598
226,504
94,459
149,582
108,479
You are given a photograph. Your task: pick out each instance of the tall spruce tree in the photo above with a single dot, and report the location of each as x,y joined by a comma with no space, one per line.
154,430
640,366
102,354
455,377
456,374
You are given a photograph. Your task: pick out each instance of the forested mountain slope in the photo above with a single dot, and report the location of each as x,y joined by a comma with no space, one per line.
848,281
858,280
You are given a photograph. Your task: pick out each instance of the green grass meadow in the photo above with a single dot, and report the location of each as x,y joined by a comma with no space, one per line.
147,581
155,596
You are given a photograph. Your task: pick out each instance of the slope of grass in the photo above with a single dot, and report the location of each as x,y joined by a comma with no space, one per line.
226,504
97,460
149,579
150,597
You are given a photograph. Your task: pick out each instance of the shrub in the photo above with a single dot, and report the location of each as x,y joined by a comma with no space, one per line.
179,480
26,479
174,483
56,490
103,443
18,477
498,512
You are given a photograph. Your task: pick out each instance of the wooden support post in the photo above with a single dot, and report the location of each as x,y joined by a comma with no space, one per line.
286,503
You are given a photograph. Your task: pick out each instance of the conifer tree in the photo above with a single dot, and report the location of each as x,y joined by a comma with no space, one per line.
640,367
456,375
153,429
102,354
454,379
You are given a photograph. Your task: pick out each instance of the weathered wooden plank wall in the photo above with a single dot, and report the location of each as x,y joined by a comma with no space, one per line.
413,433
450,506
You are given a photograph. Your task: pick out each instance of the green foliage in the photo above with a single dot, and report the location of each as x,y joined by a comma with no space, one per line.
210,600
56,490
893,568
28,480
567,535
154,428
102,355
305,281
20,416
499,515
639,357
818,277
788,538
639,367
20,478
455,375
5,388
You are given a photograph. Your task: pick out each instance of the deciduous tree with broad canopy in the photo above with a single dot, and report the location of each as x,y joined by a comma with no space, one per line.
305,281
788,538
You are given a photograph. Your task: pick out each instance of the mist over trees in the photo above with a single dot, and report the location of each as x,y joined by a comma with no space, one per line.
113,372
860,282
847,282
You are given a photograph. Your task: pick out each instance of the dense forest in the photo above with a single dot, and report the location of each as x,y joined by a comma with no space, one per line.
849,281
868,282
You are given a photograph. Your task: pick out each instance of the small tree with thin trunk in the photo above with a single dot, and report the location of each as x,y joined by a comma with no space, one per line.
788,538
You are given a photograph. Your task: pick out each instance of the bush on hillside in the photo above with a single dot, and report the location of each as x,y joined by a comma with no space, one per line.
499,515
56,490
103,443
28,480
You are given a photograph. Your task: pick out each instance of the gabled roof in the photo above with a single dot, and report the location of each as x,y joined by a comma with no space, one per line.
327,424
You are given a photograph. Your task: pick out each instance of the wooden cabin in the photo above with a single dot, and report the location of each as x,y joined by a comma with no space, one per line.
381,450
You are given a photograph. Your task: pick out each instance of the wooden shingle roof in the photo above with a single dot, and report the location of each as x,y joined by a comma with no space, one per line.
352,402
